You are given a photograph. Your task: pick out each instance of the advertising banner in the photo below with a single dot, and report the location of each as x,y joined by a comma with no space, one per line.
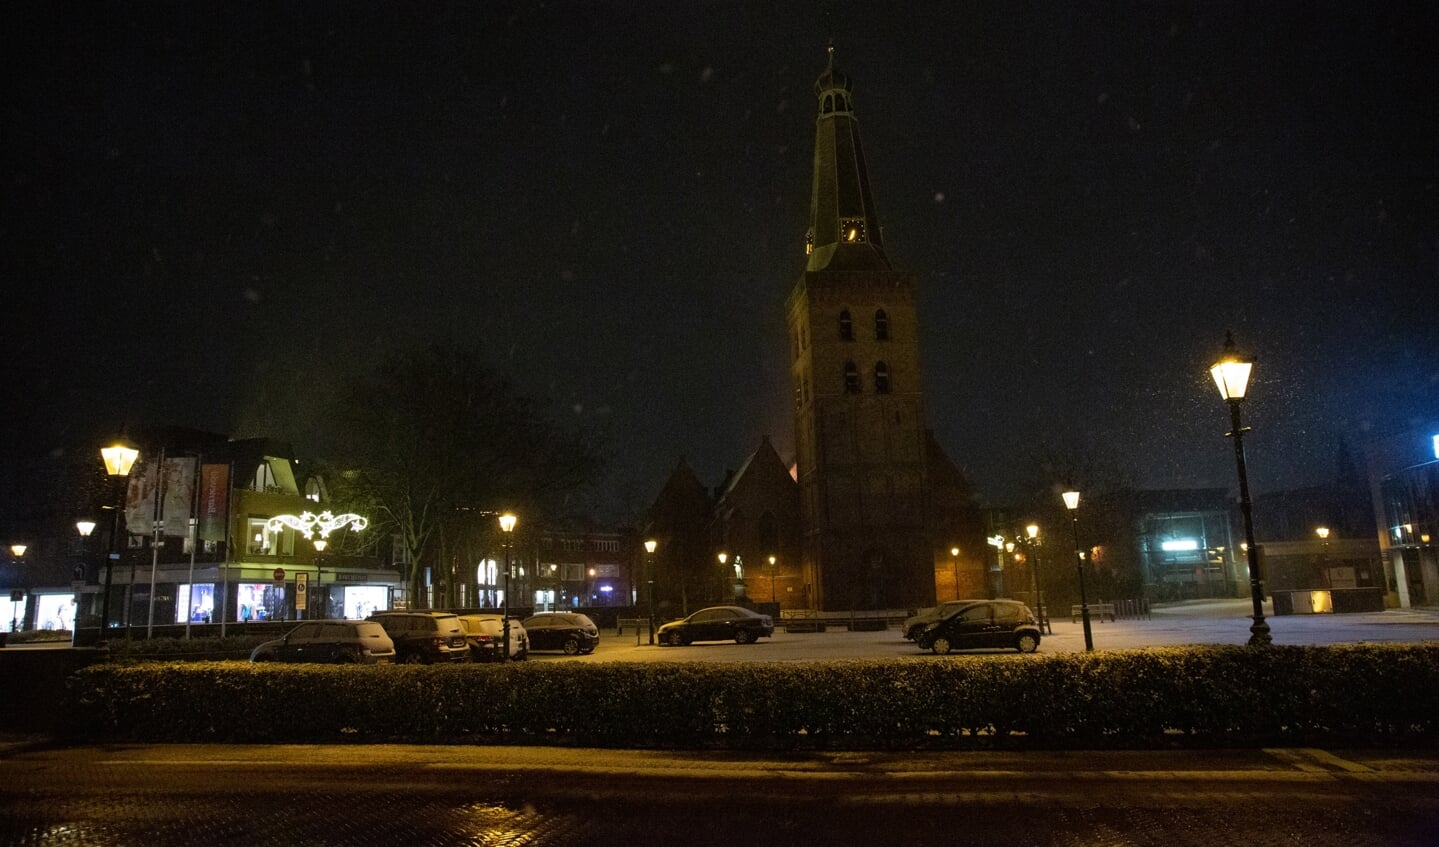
176,491
214,501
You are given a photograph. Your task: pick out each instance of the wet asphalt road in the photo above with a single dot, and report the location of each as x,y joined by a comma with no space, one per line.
418,795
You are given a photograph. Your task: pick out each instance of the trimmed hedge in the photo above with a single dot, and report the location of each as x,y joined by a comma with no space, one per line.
1198,696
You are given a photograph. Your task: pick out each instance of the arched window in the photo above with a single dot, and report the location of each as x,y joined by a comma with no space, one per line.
846,327
828,104
881,326
839,104
851,378
881,378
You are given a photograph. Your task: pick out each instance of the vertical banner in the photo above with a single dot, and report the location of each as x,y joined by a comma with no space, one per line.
140,498
214,501
179,493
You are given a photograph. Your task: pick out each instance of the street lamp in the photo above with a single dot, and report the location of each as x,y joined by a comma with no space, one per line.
1231,375
1071,502
507,523
119,458
17,550
724,573
1323,533
771,579
650,546
1032,533
320,544
997,542
954,561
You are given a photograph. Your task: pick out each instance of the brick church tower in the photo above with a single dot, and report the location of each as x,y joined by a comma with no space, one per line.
860,435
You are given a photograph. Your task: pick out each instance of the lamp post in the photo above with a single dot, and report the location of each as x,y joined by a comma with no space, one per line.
507,523
650,546
772,572
1071,502
85,527
1032,533
997,542
1323,533
724,573
954,561
119,458
1231,375
18,551
320,545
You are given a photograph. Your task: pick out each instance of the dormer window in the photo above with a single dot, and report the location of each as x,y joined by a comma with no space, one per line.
881,326
846,326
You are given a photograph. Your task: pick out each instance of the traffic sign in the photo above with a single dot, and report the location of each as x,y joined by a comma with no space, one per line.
302,582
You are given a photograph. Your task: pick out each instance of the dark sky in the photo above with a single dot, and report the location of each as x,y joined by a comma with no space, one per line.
611,199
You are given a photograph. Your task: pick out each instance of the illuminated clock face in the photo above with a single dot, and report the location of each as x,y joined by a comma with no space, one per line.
851,230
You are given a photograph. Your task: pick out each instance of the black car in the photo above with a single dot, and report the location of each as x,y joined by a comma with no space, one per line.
717,623
425,637
983,623
336,642
571,632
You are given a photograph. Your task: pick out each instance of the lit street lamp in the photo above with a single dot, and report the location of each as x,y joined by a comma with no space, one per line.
1071,502
1231,375
507,523
724,573
772,573
1323,533
650,546
320,545
16,550
954,560
119,458
1032,533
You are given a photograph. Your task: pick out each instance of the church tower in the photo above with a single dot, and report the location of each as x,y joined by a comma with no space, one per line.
860,435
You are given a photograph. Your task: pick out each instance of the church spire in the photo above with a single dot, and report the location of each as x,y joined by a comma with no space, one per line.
844,231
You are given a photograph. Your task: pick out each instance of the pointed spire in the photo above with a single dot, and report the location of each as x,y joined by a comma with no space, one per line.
844,231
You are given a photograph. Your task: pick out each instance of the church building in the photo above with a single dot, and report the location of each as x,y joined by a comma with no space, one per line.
872,492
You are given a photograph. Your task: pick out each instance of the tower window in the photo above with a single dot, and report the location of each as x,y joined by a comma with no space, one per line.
846,326
851,378
881,378
828,104
881,326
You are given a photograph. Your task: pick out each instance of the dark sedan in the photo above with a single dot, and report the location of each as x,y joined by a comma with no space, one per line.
717,623
983,623
570,632
336,642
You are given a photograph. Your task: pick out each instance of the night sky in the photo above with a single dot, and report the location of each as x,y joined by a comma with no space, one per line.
610,200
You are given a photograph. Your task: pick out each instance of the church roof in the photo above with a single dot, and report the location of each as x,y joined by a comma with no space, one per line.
844,232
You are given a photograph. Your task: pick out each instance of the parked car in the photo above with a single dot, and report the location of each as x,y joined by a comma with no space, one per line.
915,624
425,637
486,636
717,623
336,642
983,623
571,632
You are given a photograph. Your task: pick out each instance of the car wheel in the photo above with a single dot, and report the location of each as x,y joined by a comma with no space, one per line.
413,659
346,657
940,646
572,646
1027,643
743,636
263,657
